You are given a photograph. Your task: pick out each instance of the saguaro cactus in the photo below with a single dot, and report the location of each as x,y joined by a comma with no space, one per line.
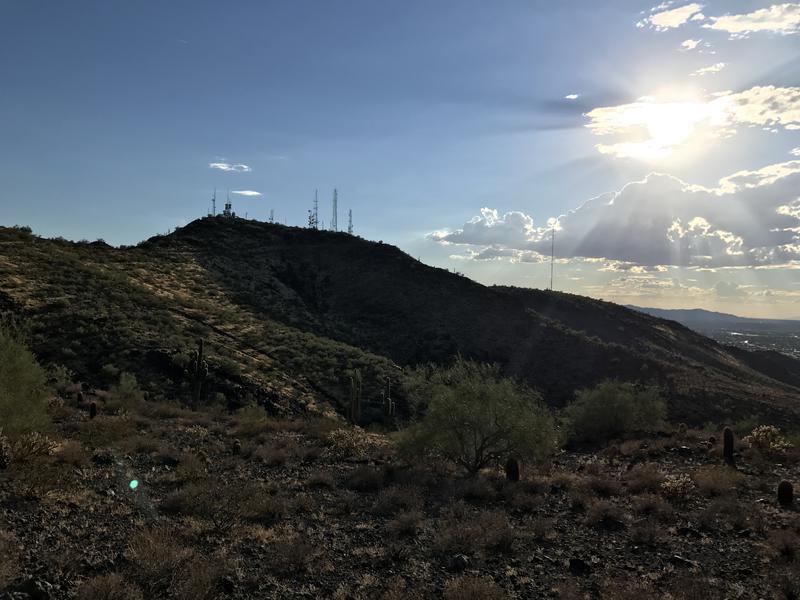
727,447
355,397
785,493
512,469
198,371
389,405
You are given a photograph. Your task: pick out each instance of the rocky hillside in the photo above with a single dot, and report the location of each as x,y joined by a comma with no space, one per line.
287,313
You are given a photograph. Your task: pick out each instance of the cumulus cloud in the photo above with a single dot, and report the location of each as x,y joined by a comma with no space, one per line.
571,97
230,167
656,128
246,192
778,18
690,44
512,229
662,20
752,218
710,70
795,151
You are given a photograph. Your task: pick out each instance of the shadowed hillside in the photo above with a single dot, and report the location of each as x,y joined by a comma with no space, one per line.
288,312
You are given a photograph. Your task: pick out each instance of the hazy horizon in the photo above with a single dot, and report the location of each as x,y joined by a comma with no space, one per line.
662,142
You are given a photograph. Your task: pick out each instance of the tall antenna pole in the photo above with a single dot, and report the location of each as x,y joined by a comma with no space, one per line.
271,215
335,218
350,221
316,209
214,203
552,254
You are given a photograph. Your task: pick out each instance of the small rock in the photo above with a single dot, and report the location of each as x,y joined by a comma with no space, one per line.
579,567
36,589
457,563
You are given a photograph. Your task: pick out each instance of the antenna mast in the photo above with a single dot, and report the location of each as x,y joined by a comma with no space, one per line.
552,254
214,203
271,215
350,221
316,209
335,219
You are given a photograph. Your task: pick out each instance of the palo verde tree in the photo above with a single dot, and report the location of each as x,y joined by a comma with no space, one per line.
471,415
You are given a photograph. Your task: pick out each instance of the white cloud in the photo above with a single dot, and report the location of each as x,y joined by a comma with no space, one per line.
654,129
751,219
778,18
246,192
795,151
690,44
229,167
710,70
571,97
671,18
489,228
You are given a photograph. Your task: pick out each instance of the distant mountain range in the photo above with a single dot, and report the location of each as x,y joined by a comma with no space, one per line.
698,318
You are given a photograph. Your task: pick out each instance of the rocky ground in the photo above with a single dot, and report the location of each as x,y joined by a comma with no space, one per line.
244,506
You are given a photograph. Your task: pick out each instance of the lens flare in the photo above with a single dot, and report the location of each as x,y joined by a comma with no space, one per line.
133,484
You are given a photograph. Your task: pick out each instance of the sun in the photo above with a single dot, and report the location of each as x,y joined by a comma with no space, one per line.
651,129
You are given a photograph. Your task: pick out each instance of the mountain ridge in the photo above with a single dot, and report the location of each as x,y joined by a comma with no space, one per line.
288,312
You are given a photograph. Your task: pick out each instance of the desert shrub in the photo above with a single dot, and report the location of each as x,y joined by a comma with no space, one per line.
478,490
320,480
646,533
784,545
473,416
611,409
678,487
199,578
23,397
471,587
768,440
485,532
157,554
365,479
604,486
396,499
127,390
407,523
604,514
111,586
644,478
650,505
717,480
73,453
291,556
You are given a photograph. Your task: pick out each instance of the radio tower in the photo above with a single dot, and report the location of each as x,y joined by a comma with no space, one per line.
271,215
214,203
335,218
350,221
552,254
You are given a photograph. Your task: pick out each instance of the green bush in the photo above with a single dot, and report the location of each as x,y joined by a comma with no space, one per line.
473,416
23,396
613,408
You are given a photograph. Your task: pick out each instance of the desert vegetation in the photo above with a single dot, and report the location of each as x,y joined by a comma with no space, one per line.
147,498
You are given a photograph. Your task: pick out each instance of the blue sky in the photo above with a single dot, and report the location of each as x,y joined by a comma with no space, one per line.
445,125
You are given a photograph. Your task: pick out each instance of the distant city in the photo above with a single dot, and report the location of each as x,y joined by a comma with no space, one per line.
751,334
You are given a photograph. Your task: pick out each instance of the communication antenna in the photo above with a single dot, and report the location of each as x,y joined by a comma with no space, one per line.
316,209
271,215
214,203
552,254
335,219
350,221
